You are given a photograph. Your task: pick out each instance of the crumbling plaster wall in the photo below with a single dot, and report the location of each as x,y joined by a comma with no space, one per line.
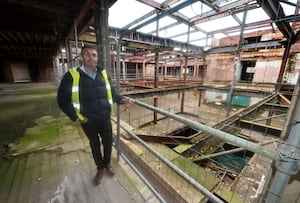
220,67
266,71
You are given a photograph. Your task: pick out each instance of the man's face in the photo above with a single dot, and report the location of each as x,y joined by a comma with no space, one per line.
89,57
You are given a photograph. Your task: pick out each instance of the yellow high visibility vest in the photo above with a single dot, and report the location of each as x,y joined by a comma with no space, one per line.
75,91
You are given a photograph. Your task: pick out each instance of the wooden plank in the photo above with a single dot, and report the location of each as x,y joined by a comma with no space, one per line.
17,181
262,125
58,172
35,187
7,177
43,178
4,166
72,192
26,183
53,179
88,165
88,171
283,100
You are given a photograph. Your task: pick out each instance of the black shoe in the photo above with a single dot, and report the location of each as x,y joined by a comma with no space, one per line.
110,170
99,176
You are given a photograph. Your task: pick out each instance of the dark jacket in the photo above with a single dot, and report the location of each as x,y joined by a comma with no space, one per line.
92,95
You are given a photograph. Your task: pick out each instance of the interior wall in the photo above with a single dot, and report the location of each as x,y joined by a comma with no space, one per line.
266,70
20,72
46,71
26,70
220,68
5,71
293,69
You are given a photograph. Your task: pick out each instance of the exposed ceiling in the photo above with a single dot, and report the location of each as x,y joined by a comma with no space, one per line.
38,28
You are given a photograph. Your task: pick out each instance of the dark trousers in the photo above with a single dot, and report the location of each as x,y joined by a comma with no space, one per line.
92,130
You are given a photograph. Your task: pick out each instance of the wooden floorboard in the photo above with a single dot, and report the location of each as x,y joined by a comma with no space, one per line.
26,183
46,179
54,177
8,179
57,177
36,185
4,167
16,184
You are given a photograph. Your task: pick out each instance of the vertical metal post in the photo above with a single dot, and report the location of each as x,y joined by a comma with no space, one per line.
237,70
155,85
289,164
123,69
72,60
283,64
286,53
143,70
136,71
155,73
100,33
200,98
185,67
118,45
68,54
76,63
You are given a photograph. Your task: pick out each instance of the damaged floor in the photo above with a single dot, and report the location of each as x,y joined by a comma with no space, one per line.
66,175
52,161
64,172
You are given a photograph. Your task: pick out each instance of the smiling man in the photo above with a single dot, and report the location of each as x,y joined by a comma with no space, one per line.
86,96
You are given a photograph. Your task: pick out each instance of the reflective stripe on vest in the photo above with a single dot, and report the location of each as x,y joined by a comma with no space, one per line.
75,91
108,91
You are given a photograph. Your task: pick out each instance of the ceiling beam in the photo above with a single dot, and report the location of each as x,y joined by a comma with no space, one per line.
176,15
259,45
153,40
237,28
275,12
227,10
86,6
162,14
151,3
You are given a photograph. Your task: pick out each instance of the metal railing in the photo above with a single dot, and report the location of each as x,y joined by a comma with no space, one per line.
258,149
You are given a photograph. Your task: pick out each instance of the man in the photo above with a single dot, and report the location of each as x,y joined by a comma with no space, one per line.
86,96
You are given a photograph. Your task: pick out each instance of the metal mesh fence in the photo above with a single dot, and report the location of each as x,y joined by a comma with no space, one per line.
228,171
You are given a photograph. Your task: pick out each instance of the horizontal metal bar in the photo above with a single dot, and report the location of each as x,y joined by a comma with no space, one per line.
204,191
253,147
156,193
226,152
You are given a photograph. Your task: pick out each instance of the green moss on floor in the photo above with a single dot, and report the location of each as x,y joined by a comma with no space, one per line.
21,107
30,120
47,132
203,177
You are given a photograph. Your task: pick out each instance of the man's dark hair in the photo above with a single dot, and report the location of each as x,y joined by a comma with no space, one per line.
88,46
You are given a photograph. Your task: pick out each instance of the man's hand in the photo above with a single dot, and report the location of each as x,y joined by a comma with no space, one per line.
78,121
127,102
